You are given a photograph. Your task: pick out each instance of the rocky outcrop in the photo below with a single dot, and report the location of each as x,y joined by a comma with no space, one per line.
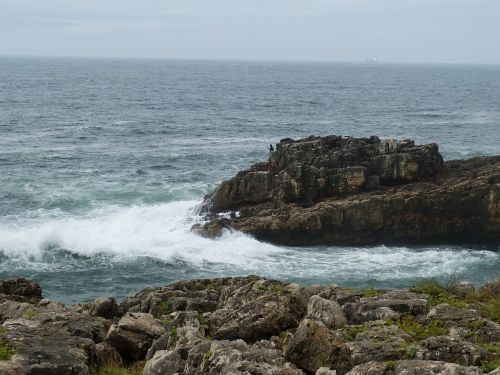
344,190
251,325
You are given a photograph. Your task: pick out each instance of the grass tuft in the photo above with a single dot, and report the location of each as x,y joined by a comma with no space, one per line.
6,351
118,369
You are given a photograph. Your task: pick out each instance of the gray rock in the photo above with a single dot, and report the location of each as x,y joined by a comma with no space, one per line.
418,367
164,362
328,312
256,310
134,334
105,307
451,349
313,346
369,368
325,371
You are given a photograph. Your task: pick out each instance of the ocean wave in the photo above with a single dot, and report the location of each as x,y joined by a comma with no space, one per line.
110,235
160,231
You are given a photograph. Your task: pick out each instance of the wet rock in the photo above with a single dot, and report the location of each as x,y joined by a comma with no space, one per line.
313,346
328,312
134,334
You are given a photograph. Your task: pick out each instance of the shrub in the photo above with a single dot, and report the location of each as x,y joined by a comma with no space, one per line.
351,332
488,366
6,351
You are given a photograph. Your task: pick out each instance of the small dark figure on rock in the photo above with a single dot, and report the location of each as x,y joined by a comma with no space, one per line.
271,148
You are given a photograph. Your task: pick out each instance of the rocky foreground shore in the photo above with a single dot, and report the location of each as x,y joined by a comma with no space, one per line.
251,325
359,191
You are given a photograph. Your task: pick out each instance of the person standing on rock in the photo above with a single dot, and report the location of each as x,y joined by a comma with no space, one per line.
271,148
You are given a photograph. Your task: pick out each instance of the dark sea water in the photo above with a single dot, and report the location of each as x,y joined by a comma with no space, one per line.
103,162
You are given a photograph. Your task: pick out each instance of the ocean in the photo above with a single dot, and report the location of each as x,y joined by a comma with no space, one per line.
103,163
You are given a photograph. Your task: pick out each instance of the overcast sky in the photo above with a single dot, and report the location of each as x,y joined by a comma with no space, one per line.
456,31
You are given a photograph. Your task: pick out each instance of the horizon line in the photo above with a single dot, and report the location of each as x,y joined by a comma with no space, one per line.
366,61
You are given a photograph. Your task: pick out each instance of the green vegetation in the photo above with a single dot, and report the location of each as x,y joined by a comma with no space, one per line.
6,351
417,330
30,314
213,287
202,319
491,309
173,335
164,307
439,293
493,347
3,329
390,367
411,353
488,366
208,355
351,332
371,293
119,369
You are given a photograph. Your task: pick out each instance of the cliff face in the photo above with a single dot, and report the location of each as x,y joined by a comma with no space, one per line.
343,190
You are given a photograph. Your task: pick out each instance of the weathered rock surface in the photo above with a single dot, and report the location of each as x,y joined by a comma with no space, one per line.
134,334
247,325
344,190
313,346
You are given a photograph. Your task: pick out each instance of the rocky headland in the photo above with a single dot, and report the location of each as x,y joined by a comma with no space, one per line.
359,191
251,325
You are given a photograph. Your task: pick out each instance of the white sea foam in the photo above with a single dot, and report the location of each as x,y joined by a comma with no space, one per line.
162,232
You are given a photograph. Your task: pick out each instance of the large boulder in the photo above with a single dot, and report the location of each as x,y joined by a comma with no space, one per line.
314,346
257,310
134,334
328,312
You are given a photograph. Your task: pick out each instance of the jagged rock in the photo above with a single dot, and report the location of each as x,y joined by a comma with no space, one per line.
413,367
463,289
419,367
343,190
21,289
133,335
386,307
105,307
257,310
325,371
453,316
313,346
491,288
379,343
451,349
369,368
11,368
328,312
236,357
164,362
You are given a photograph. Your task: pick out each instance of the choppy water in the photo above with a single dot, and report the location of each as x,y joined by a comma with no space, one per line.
102,163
